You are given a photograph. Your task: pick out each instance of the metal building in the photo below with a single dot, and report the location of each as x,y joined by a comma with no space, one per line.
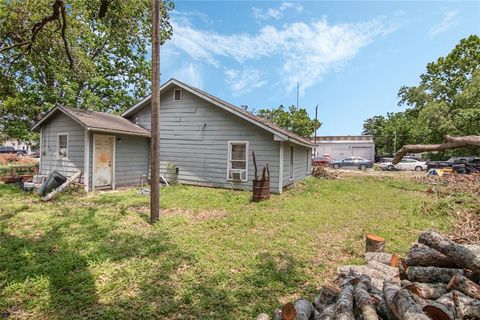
340,147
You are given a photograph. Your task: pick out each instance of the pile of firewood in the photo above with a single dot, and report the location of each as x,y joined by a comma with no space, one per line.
438,279
322,173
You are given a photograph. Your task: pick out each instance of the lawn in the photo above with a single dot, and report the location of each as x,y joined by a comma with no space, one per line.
212,255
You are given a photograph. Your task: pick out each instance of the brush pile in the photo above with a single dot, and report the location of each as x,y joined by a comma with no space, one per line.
12,158
438,279
453,182
323,173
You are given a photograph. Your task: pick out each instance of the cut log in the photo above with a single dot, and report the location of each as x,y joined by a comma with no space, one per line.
462,255
304,309
402,303
431,274
383,257
438,311
465,286
383,310
402,269
326,296
392,272
430,291
288,312
366,280
450,143
62,187
328,313
359,270
344,305
424,256
466,307
364,302
277,314
374,243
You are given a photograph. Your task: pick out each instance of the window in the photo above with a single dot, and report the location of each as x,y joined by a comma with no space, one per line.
237,160
177,95
292,159
62,150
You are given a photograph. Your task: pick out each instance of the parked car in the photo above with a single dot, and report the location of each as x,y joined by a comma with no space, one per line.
12,150
409,164
322,161
470,163
352,162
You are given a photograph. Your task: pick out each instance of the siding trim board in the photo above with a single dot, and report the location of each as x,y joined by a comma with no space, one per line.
86,173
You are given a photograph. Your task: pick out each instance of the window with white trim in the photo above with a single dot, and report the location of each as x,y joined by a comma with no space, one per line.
177,95
62,146
237,160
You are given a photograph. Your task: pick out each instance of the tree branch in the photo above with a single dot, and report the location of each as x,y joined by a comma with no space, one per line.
65,42
103,8
450,143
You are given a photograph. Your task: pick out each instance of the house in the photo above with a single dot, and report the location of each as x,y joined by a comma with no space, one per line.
206,140
340,147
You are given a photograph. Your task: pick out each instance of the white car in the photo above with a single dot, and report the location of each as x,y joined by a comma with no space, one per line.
409,165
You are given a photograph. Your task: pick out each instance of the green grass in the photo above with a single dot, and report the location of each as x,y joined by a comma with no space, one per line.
212,255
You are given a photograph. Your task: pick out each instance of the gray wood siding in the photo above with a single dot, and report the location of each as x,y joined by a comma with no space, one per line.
60,124
131,160
194,136
301,163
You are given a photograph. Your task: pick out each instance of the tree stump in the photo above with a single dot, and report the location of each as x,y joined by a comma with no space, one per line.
288,312
374,243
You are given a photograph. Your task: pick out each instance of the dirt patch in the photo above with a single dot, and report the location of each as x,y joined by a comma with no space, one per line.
196,215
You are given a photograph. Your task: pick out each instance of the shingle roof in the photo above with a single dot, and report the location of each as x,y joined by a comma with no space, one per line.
254,119
99,121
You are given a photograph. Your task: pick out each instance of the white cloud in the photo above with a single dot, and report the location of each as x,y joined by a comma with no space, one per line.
448,21
189,73
276,13
243,81
306,52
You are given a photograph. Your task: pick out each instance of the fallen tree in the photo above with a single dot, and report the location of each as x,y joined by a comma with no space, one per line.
450,143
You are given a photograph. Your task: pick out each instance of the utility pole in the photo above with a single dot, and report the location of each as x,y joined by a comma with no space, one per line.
155,134
394,142
316,125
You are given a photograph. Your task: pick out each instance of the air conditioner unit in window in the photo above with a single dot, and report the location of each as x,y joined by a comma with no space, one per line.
237,174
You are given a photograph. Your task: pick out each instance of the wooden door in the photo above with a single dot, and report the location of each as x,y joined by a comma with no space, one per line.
103,161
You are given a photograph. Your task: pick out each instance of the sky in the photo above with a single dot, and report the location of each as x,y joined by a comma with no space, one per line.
350,58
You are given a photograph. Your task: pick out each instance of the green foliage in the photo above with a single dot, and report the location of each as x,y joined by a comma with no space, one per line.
110,70
446,102
294,119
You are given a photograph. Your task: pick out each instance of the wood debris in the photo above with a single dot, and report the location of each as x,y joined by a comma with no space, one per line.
323,173
438,279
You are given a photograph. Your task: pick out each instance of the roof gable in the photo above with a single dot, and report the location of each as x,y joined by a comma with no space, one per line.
258,121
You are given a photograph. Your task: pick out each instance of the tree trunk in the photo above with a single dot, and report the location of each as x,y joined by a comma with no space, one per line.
424,256
439,311
465,286
359,270
374,243
344,305
450,143
431,274
401,303
462,255
430,291
304,309
364,302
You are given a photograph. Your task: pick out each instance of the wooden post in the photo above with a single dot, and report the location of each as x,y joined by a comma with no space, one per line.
155,132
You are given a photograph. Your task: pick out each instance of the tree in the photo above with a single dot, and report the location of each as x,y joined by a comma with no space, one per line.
294,119
83,53
446,102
